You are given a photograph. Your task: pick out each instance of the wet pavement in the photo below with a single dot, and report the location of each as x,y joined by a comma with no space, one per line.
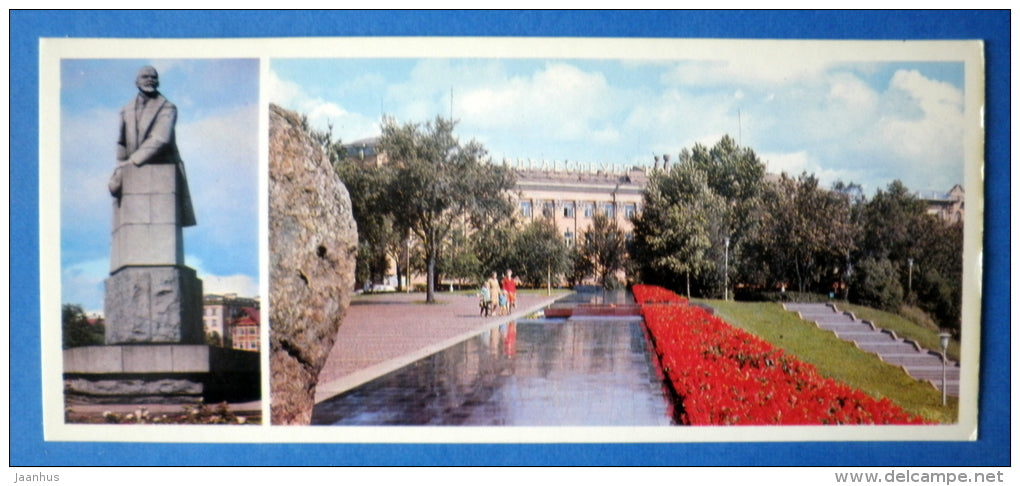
527,372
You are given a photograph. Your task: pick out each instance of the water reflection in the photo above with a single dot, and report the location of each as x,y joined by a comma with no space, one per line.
534,372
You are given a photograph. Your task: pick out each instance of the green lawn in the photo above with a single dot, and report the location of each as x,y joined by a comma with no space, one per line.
836,358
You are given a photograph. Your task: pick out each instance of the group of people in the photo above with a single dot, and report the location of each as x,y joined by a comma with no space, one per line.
498,298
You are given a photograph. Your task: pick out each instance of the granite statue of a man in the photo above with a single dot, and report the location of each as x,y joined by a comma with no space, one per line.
150,295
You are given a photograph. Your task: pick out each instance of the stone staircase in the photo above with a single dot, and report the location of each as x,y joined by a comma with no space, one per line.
918,362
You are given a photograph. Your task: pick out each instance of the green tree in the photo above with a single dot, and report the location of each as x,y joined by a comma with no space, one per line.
495,245
212,338
437,181
76,329
378,237
876,284
925,253
458,258
737,175
803,236
680,227
891,222
604,246
366,184
579,267
541,253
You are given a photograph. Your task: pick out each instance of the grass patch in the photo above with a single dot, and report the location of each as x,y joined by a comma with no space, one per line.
836,358
903,328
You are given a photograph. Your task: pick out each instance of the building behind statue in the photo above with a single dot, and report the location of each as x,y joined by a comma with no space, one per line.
231,321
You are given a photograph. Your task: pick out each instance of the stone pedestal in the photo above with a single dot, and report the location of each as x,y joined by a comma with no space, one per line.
148,217
159,304
151,373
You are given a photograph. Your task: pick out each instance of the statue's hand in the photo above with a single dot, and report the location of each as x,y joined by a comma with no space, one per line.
116,182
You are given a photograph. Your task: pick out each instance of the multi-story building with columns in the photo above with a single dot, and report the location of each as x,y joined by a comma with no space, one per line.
568,192
571,193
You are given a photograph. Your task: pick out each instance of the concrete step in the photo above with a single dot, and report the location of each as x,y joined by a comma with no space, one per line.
934,375
920,364
889,347
847,325
865,337
915,359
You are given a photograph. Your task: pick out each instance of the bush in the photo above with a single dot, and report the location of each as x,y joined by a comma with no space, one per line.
876,284
78,331
753,295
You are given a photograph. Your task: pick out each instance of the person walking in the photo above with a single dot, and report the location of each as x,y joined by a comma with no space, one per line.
493,285
484,300
510,287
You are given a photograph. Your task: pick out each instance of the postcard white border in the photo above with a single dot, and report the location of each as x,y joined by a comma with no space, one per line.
52,50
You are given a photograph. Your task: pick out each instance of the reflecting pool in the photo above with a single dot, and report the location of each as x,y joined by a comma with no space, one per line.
594,371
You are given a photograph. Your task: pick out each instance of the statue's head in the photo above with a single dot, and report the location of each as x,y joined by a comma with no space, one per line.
147,80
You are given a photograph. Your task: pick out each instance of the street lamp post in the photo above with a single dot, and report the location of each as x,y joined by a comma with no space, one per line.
726,271
910,275
944,342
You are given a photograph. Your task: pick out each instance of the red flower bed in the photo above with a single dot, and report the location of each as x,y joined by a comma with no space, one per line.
726,376
650,294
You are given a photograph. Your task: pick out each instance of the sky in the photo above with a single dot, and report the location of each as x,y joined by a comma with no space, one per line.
217,135
868,123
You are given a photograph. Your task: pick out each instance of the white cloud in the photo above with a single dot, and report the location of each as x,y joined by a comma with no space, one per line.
791,163
850,92
282,92
794,164
933,140
678,119
770,67
242,285
212,283
559,101
321,112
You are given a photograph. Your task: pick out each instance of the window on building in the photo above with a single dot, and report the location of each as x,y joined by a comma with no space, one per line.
630,210
609,209
568,210
547,209
526,209
569,236
589,210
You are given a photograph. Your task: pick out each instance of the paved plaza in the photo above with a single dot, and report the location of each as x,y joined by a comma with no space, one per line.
384,332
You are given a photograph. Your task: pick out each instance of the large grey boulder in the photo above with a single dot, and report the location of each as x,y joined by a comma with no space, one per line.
312,246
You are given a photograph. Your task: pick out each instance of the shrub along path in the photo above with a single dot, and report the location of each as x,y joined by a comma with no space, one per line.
920,363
